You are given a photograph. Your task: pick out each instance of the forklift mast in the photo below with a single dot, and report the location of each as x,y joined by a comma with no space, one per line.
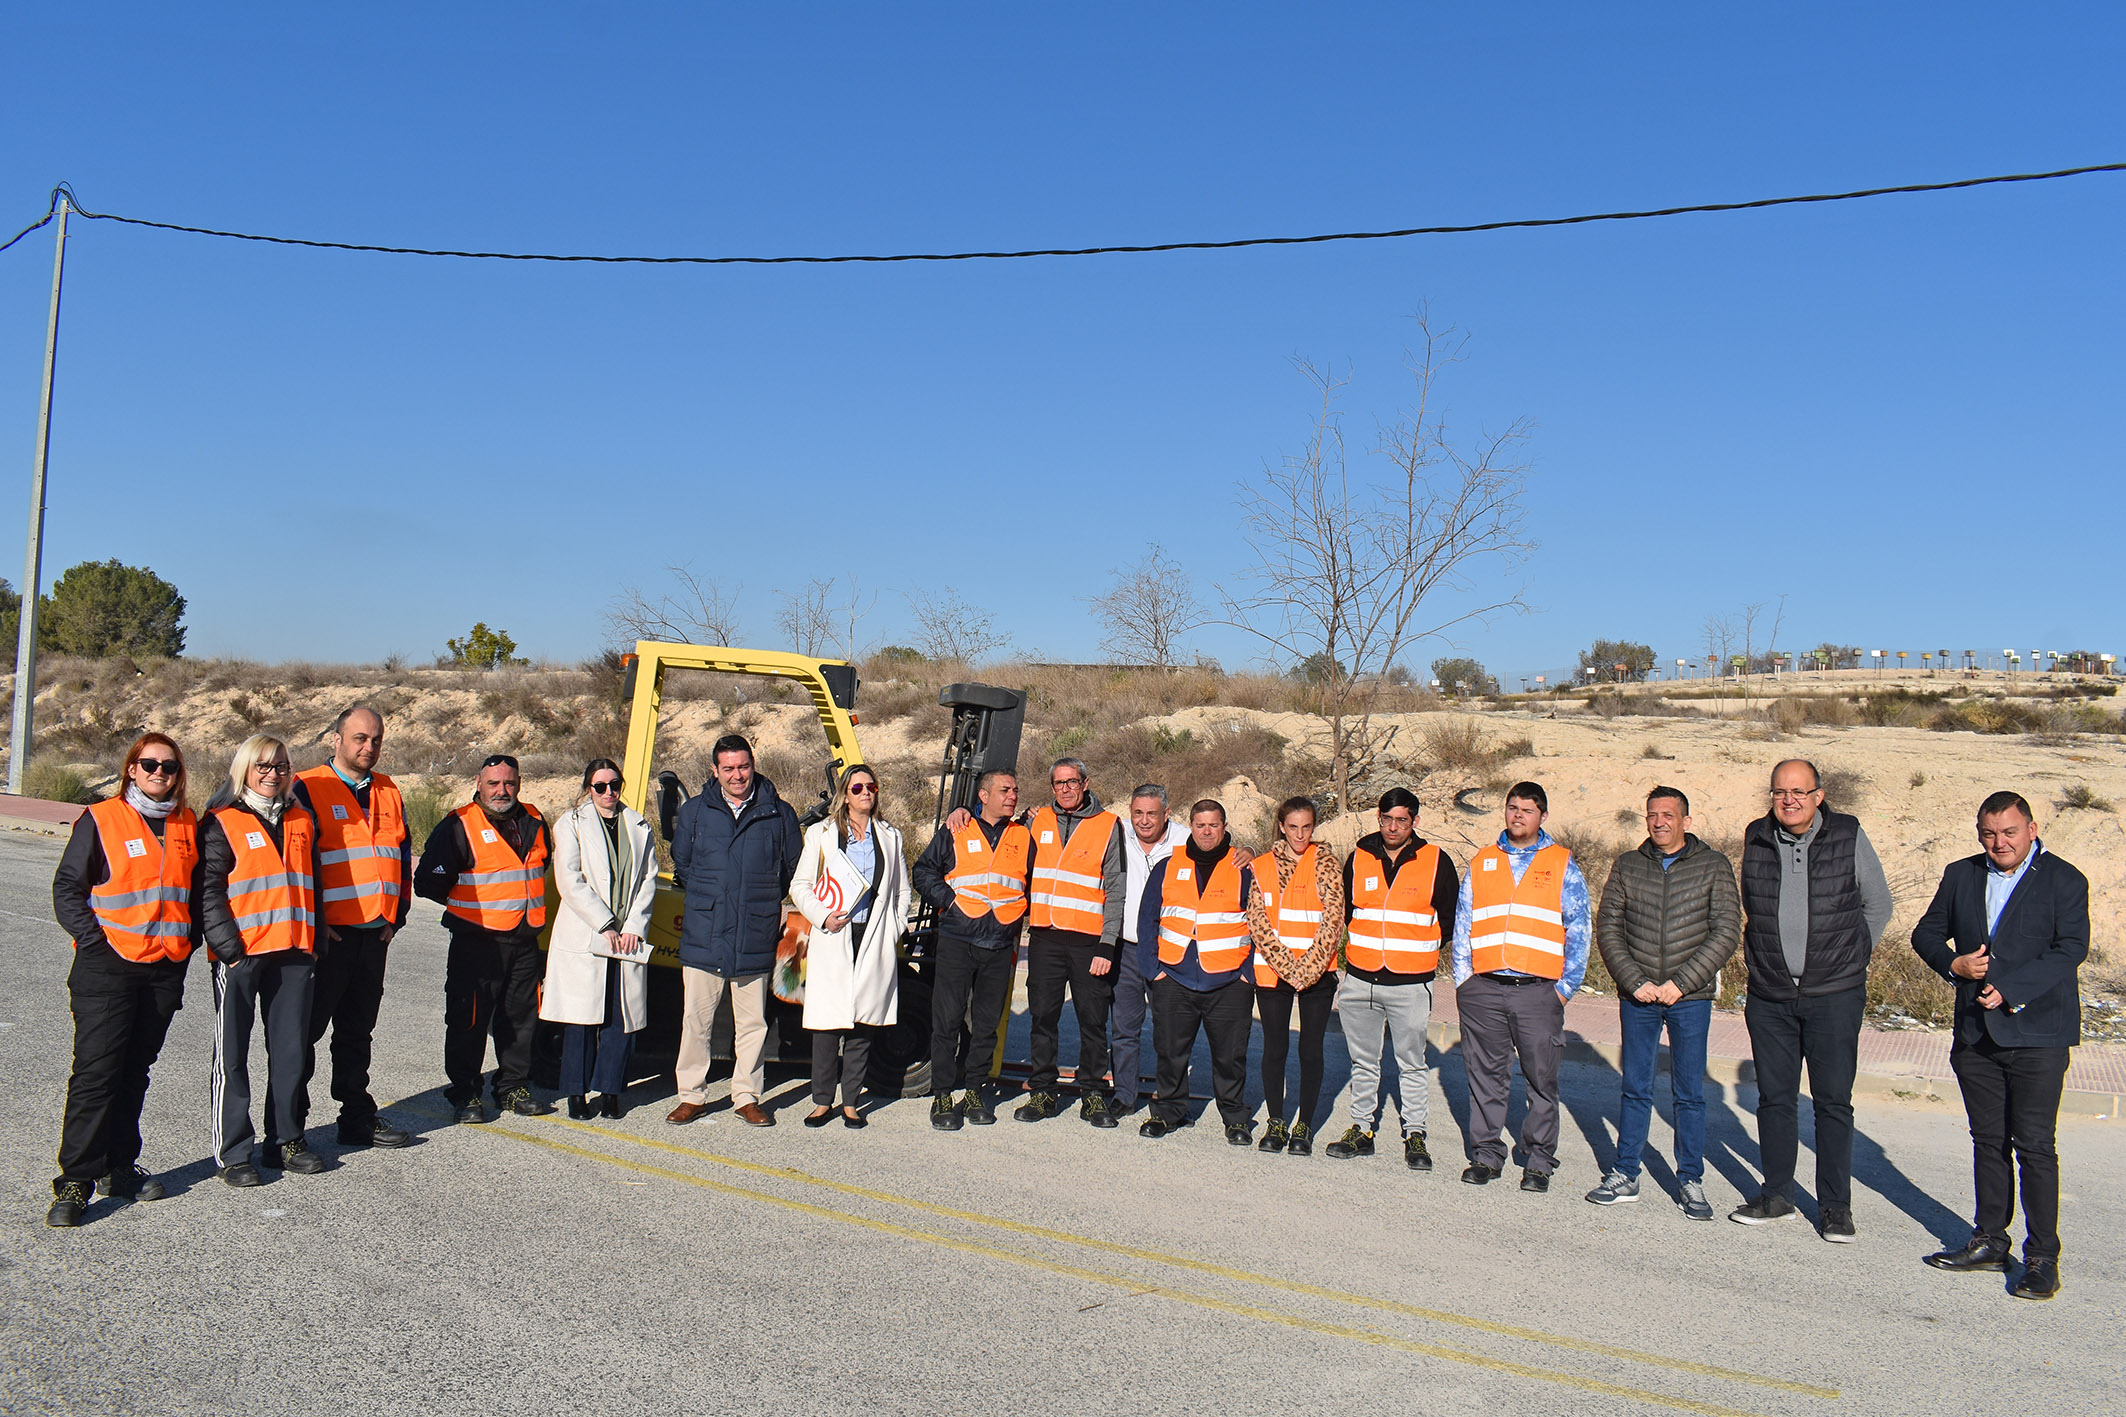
986,723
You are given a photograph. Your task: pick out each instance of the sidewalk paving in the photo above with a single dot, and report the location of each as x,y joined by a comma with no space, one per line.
1916,1058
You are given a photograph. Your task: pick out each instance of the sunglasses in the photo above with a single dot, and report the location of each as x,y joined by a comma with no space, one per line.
500,760
863,789
159,767
610,784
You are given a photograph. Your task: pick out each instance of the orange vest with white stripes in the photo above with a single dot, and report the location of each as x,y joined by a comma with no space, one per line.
986,881
1393,925
1215,919
272,893
502,890
358,852
1295,911
1068,879
1518,926
145,908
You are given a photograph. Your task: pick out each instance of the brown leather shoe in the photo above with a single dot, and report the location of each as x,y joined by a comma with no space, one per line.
685,1112
752,1116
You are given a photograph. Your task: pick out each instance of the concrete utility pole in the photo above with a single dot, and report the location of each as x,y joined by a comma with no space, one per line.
18,741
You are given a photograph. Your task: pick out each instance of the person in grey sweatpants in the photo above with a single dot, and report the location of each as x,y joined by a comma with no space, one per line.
276,988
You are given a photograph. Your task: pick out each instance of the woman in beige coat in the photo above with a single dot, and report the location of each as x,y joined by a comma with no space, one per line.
852,885
597,958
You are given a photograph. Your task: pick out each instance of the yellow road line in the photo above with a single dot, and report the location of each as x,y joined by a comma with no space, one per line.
1316,1291
1137,1286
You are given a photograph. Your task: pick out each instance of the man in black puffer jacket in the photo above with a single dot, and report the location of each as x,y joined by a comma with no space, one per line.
1670,919
1815,902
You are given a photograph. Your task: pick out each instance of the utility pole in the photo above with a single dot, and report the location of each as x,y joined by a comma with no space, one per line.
18,742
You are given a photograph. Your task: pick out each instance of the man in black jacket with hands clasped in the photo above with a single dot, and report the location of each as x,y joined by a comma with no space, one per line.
2018,918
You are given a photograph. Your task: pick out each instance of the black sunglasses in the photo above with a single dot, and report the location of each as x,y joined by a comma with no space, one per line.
611,784
500,760
155,767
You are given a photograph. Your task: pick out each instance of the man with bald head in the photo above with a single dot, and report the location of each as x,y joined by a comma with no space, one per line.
364,885
1815,902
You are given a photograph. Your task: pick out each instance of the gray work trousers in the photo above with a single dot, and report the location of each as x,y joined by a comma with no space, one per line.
274,988
1403,1012
1500,1020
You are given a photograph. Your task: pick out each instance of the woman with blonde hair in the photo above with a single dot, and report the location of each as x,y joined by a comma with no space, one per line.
258,916
1296,916
597,985
852,885
124,892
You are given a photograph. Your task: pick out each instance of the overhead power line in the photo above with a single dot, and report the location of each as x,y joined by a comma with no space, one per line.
1523,222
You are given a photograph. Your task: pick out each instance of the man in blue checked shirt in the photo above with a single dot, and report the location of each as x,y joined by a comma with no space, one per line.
1520,950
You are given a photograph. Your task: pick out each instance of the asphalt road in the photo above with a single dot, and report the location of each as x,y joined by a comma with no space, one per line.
536,1265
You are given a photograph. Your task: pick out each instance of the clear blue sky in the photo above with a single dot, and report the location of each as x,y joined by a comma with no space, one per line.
1903,415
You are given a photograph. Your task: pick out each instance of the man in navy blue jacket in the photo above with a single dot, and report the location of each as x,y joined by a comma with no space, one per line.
2019,920
735,847
1190,907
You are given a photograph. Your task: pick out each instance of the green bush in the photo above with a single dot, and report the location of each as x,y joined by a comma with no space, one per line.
101,608
54,781
428,802
483,648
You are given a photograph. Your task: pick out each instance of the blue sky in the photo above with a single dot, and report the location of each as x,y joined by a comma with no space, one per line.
1902,415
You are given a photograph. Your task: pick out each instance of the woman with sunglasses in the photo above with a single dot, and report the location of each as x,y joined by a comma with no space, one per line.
258,916
1296,918
597,959
852,885
124,891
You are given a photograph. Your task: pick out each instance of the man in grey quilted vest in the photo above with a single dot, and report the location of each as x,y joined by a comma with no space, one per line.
1670,919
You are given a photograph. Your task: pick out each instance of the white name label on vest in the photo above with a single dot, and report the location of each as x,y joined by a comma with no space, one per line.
973,846
488,837
1048,838
1372,883
1182,874
255,840
1491,863
339,813
136,847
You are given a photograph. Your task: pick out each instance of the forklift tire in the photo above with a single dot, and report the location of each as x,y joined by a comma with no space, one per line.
900,1055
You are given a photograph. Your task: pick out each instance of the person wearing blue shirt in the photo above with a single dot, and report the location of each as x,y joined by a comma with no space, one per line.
1521,936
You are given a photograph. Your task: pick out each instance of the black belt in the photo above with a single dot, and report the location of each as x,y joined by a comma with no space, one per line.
1516,980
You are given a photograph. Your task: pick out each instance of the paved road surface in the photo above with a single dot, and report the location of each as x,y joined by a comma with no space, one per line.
537,1266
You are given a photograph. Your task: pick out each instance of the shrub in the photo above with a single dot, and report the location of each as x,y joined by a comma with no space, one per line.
1653,751
483,648
1458,744
1899,982
1986,716
428,802
54,781
1512,749
1842,787
2079,795
102,608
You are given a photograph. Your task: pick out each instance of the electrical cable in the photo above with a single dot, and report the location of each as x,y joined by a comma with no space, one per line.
1522,223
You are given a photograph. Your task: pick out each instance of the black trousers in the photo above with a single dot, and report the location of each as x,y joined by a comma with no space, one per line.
2012,1096
1274,1004
1824,1033
1056,960
1224,1015
839,1055
968,991
346,990
490,989
122,1013
274,990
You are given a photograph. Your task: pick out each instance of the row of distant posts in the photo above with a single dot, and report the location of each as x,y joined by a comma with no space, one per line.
2008,661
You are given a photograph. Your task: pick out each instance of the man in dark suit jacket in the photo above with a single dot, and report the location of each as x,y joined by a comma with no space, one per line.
2019,920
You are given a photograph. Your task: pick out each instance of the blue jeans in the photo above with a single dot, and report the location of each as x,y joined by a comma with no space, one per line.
1688,1022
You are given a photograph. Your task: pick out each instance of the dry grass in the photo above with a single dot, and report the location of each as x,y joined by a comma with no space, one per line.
56,781
2080,796
1899,983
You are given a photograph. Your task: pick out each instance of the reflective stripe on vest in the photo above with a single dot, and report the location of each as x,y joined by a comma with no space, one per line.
1393,926
1214,919
145,908
1069,880
358,860
1518,926
502,890
271,892
1295,911
986,880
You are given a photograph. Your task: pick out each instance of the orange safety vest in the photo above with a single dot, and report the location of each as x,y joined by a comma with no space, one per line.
1213,919
1295,912
358,853
984,880
1393,926
502,890
1518,927
145,908
1068,891
271,892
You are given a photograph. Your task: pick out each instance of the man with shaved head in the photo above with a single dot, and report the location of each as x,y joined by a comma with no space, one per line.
364,885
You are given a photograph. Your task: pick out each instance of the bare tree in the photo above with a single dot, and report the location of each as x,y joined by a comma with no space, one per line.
1721,633
947,627
1147,610
697,610
803,618
1345,570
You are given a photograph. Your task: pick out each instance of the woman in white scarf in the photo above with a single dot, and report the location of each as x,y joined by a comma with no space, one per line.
852,885
598,955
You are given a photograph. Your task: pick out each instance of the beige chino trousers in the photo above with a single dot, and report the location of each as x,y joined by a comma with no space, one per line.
749,1035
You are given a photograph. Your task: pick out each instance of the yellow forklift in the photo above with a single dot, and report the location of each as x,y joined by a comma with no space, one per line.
984,734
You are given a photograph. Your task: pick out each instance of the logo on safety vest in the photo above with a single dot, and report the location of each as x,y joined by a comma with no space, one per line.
136,847
487,837
255,840
339,813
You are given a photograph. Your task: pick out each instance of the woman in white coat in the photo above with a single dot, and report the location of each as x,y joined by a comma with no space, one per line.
852,885
597,958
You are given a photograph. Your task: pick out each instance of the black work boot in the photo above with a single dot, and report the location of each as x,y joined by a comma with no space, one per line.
70,1202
